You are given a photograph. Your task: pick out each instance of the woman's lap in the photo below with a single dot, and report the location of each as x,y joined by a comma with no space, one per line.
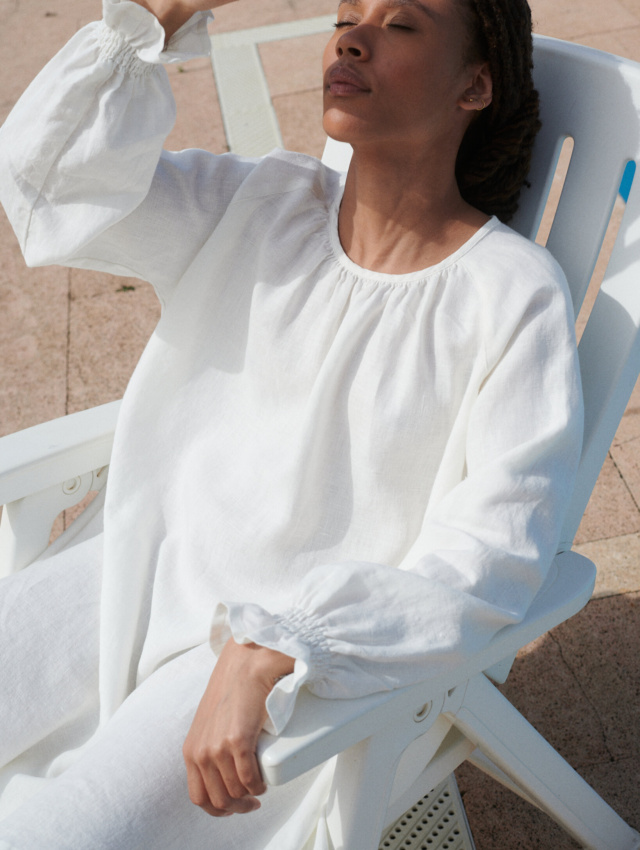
127,790
49,619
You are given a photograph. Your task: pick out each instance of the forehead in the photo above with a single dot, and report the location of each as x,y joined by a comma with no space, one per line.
435,9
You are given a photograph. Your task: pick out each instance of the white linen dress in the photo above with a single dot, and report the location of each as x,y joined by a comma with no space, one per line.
365,471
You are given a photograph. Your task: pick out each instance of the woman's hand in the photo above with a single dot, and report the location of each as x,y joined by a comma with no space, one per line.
223,774
172,14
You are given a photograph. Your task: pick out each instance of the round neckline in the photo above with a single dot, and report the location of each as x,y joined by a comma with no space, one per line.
387,277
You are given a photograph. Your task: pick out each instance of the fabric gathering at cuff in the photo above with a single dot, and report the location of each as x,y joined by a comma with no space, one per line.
134,39
291,633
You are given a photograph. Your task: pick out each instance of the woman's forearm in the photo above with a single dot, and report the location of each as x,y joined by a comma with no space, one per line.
172,14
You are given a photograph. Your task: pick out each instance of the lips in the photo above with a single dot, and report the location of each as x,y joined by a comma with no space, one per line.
343,80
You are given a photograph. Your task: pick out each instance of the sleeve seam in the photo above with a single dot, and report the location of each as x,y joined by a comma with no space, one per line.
300,623
115,49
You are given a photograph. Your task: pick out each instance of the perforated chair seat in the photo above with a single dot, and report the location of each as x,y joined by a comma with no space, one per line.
436,822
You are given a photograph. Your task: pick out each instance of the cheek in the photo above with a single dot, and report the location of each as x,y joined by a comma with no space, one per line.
408,83
424,83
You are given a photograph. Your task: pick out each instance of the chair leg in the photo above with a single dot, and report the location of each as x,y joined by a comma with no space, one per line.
511,743
364,777
355,813
482,762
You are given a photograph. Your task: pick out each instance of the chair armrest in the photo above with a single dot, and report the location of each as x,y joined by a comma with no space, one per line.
39,457
320,728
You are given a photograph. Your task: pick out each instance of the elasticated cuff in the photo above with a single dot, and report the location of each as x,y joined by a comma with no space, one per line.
291,633
132,37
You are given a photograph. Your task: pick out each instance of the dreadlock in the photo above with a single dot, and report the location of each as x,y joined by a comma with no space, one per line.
495,155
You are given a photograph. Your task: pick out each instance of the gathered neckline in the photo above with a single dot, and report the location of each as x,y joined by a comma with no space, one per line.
418,276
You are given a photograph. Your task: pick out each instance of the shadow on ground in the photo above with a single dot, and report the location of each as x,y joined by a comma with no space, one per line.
579,685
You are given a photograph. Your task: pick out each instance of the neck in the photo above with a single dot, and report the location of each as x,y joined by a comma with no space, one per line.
400,214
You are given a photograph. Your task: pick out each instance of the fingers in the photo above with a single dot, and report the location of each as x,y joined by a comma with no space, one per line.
247,770
220,785
220,750
199,795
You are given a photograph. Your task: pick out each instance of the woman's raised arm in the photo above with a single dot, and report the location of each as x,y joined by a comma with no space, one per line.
173,14
83,176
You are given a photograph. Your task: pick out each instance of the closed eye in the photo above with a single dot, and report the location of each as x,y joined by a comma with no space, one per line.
342,24
401,22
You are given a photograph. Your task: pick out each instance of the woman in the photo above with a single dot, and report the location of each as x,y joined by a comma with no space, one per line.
343,458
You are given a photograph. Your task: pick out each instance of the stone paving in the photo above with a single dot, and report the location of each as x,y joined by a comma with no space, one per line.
69,339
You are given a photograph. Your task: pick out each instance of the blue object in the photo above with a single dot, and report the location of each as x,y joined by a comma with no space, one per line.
627,180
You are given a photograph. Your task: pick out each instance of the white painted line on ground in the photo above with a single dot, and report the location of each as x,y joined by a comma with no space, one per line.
250,121
249,118
273,32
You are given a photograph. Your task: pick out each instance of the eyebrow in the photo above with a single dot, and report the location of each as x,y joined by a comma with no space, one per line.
392,4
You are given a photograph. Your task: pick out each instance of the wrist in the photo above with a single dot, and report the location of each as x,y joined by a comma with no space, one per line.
267,664
171,15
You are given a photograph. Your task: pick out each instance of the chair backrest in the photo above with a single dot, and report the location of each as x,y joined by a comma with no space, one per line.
592,98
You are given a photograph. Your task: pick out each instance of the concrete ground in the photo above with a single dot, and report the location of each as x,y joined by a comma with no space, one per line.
70,339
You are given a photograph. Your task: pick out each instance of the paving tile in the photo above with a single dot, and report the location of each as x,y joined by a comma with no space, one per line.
623,42
571,19
632,407
258,13
601,646
579,687
109,327
45,26
625,451
618,563
611,511
294,64
547,692
199,120
500,820
629,428
300,119
33,338
632,6
618,784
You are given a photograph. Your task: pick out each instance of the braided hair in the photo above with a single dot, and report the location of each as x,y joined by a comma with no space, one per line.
495,155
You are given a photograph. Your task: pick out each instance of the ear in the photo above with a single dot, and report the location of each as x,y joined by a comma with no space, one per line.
479,91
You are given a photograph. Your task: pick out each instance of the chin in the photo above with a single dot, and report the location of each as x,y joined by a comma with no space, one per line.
342,126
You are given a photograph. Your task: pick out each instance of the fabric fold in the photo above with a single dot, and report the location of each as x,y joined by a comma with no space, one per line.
141,32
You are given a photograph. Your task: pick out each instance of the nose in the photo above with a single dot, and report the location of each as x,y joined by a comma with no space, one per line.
351,49
353,42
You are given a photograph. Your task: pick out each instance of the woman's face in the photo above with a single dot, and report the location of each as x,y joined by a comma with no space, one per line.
396,70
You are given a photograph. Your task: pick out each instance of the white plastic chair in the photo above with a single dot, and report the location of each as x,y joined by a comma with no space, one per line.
427,730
